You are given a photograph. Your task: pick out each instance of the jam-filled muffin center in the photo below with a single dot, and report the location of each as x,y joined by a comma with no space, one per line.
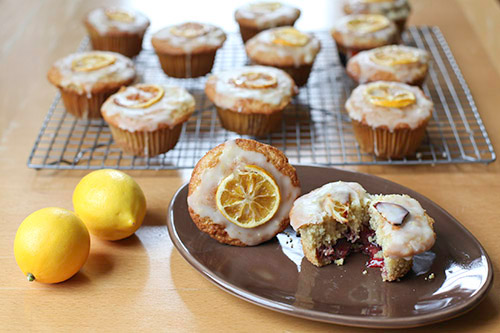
368,23
119,15
92,62
255,80
289,36
389,96
190,30
265,7
392,56
140,96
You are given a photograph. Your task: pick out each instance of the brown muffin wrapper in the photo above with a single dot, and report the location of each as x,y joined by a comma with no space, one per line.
128,45
248,32
256,124
145,143
187,65
386,144
401,25
81,106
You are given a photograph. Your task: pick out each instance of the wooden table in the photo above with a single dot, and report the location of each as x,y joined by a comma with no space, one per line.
142,283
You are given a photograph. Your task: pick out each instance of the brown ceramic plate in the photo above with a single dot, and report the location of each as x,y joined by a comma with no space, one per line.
275,274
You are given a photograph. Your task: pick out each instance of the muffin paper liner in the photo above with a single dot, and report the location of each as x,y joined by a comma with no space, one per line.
128,45
82,106
256,124
187,65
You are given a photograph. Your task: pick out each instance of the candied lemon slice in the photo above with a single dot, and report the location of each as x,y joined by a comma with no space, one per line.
254,80
389,96
368,23
338,208
392,55
140,96
265,7
290,37
248,197
189,30
91,62
119,15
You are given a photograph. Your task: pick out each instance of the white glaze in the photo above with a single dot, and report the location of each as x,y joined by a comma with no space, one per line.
103,24
414,236
393,9
354,38
175,103
202,200
214,37
359,108
285,14
263,43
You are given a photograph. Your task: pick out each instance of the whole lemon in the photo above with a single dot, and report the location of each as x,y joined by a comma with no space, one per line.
110,203
51,245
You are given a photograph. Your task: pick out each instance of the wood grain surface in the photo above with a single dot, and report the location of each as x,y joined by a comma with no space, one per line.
142,283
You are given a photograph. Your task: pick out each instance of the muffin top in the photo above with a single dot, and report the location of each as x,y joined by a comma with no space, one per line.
392,105
364,31
94,71
263,15
147,107
393,9
189,37
283,46
110,20
251,89
389,63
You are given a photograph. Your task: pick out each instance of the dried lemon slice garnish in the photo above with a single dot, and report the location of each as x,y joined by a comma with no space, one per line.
389,96
140,96
265,7
92,61
368,23
393,55
338,208
254,80
290,37
119,15
248,197
189,30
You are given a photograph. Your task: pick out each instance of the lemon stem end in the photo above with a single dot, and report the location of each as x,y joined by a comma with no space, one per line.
30,277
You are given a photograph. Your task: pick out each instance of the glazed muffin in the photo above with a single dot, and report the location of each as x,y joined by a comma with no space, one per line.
258,16
87,79
116,29
146,119
250,100
341,218
390,63
389,118
395,10
285,48
241,192
355,33
188,50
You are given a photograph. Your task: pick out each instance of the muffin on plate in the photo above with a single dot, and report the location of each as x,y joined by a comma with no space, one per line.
341,217
188,50
250,100
389,118
286,48
241,192
86,79
355,33
116,29
395,10
258,16
146,119
390,63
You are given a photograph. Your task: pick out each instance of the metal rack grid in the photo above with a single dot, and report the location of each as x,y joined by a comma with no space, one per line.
314,130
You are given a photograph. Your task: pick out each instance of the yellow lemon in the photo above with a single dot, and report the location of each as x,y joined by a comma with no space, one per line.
248,197
142,96
382,94
51,245
110,203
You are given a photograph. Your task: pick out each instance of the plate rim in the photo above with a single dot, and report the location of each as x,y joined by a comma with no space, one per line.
335,318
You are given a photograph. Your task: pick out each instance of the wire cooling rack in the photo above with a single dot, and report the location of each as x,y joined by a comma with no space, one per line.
315,128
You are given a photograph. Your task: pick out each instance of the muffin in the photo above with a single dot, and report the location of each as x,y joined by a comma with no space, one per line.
146,119
341,218
258,16
241,192
250,100
87,79
116,29
355,33
285,48
395,10
188,50
390,63
389,118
